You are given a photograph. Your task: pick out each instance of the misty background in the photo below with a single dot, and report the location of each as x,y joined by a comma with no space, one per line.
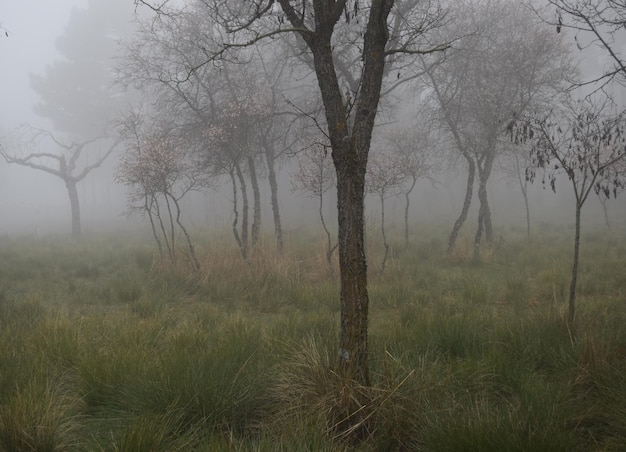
35,203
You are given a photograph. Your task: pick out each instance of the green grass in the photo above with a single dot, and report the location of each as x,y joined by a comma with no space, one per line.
104,348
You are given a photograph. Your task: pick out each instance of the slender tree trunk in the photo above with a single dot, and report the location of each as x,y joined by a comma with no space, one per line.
157,209
72,191
172,230
192,252
523,185
407,199
244,209
382,229
271,176
525,195
256,193
242,248
574,280
148,208
469,188
479,231
484,218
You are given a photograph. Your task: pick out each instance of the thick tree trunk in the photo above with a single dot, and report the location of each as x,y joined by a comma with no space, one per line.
353,350
256,193
72,191
469,189
350,138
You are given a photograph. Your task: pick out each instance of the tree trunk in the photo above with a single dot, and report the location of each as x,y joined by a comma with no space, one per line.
242,246
244,211
469,189
256,193
382,229
353,350
523,185
72,191
525,195
407,200
271,176
574,280
350,138
484,218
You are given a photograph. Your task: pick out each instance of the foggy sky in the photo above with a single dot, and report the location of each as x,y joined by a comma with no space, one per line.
33,202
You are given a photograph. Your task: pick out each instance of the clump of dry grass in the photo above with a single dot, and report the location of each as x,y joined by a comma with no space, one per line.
38,416
309,391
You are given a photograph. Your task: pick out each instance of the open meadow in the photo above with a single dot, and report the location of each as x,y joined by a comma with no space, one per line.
104,348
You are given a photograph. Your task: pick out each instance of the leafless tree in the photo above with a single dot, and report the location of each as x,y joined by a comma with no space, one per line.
583,140
72,161
204,99
417,158
158,173
384,178
506,63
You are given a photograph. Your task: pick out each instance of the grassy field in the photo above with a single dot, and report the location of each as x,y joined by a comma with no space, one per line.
102,348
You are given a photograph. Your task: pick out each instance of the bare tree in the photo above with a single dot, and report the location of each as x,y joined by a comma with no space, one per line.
417,158
506,63
384,178
584,141
159,174
70,163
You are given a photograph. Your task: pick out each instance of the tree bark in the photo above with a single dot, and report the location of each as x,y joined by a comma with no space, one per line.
256,194
244,211
384,234
271,176
72,191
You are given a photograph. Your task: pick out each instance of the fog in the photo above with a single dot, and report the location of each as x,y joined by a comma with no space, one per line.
36,203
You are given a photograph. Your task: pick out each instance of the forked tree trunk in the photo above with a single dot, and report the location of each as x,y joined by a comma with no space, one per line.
72,191
469,189
350,138
484,219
